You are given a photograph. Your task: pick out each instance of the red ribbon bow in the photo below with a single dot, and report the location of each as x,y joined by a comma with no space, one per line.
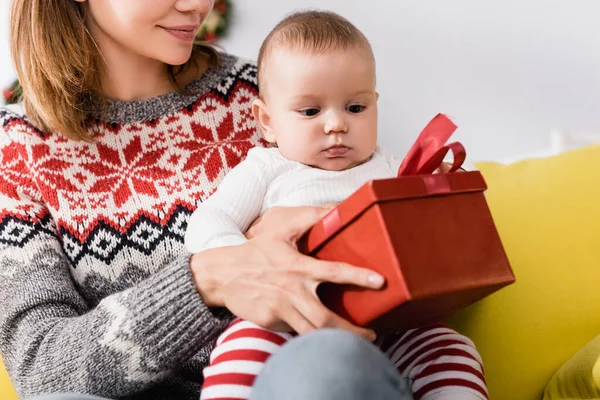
427,153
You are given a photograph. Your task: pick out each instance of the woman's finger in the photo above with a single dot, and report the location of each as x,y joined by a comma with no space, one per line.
273,310
340,323
342,273
253,231
298,322
271,221
320,316
300,222
294,318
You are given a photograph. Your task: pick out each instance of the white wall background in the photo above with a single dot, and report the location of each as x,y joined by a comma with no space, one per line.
6,70
509,71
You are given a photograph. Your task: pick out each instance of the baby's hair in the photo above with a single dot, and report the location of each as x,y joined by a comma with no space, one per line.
313,32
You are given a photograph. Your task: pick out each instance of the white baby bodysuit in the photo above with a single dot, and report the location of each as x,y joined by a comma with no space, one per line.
266,179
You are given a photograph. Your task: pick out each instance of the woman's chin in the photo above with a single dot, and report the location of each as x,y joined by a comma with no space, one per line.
176,58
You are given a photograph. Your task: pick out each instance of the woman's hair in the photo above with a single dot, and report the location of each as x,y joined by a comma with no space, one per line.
58,63
311,31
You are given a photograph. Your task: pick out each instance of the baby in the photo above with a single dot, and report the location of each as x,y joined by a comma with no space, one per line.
318,105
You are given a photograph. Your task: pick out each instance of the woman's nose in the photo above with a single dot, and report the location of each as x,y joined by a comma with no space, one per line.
335,124
200,6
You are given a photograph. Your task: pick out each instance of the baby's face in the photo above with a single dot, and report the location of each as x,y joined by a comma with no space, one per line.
322,108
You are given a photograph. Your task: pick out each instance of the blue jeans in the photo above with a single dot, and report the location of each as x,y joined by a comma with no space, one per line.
329,365
324,365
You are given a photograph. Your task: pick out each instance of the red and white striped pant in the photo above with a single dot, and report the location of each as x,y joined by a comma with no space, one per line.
438,362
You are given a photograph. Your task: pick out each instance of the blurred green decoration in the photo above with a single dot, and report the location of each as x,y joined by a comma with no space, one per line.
216,23
12,94
214,27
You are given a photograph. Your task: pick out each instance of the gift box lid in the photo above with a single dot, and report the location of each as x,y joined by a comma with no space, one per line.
384,190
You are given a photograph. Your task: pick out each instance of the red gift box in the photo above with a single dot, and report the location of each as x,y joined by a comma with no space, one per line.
430,235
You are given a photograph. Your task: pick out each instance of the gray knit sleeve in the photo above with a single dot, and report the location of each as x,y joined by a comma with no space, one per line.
51,341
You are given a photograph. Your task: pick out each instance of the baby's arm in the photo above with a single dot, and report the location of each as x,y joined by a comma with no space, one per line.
222,219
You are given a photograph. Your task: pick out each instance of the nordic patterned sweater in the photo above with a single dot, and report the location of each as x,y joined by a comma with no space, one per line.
96,293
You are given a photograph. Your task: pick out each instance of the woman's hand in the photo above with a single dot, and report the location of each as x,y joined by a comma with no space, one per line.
267,281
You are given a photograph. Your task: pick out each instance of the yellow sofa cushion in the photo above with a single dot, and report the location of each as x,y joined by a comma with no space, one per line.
6,390
579,378
547,212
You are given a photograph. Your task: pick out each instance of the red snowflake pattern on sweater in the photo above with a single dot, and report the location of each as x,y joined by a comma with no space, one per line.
145,169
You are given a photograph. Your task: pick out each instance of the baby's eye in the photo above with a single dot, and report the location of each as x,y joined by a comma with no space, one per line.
356,108
309,112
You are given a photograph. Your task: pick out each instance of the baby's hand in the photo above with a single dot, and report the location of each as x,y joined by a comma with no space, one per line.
445,167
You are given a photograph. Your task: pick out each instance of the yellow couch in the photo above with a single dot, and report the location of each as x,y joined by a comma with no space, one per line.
548,214
6,390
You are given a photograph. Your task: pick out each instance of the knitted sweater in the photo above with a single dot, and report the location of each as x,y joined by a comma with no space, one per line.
96,293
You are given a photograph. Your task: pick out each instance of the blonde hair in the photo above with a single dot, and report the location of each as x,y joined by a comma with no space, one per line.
58,63
314,32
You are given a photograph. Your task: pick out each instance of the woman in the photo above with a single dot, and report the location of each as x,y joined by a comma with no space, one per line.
128,126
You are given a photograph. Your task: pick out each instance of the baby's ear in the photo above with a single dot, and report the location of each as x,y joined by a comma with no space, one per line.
260,110
377,96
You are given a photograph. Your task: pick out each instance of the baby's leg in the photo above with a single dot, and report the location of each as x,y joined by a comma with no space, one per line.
238,356
438,362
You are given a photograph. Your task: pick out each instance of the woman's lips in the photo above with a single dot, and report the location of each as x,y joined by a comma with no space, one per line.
337,151
184,32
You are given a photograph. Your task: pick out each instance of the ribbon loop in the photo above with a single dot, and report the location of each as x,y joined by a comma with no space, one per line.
427,153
